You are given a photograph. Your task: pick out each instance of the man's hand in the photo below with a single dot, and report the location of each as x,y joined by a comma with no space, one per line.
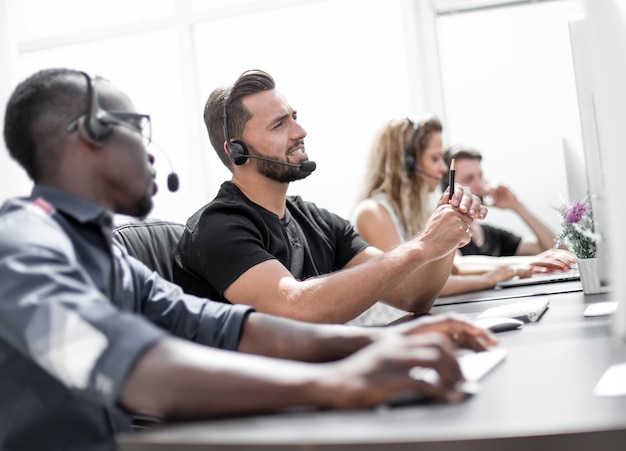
502,197
500,274
450,225
552,260
459,331
465,202
381,371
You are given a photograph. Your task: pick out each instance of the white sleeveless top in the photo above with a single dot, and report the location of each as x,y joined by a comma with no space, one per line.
380,313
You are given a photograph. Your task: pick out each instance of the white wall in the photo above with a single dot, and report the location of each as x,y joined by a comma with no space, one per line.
510,92
13,180
346,74
346,65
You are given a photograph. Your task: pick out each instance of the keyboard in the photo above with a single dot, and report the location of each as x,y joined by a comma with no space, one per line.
536,279
527,310
474,366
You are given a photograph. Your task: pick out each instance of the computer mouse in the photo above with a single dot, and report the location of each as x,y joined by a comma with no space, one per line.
498,324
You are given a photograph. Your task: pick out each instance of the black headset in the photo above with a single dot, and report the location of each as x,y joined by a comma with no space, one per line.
410,161
99,125
238,149
96,122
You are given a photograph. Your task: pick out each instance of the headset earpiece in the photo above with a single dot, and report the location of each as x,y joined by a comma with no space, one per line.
96,127
238,151
410,162
85,133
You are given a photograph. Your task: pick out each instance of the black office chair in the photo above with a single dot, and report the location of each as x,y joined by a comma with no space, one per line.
152,241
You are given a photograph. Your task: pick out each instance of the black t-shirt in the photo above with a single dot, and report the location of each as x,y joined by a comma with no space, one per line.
231,234
498,243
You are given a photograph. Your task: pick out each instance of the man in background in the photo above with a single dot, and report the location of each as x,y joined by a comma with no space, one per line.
498,242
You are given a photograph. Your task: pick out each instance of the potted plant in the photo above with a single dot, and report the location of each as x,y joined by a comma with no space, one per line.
577,232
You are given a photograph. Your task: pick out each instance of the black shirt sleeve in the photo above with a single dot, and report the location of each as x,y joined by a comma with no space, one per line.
231,235
498,243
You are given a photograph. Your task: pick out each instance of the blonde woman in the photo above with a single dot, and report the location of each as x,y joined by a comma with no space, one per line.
405,166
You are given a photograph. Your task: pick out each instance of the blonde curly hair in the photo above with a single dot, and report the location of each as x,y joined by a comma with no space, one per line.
387,170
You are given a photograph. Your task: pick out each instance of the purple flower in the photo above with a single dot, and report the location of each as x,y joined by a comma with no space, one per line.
575,213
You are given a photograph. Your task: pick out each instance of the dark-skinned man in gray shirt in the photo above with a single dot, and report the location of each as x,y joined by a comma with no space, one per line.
89,335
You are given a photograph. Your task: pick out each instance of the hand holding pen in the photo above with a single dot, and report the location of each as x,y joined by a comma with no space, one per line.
463,199
452,175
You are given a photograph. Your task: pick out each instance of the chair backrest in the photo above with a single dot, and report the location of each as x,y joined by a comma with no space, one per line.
152,241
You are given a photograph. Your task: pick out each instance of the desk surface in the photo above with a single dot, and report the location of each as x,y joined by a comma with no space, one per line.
540,398
512,292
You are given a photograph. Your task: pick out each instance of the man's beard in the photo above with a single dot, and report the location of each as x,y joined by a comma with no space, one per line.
140,209
279,172
144,206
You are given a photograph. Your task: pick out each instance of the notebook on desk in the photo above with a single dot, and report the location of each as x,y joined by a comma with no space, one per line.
536,279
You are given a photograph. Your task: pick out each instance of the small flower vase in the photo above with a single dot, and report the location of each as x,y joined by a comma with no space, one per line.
589,277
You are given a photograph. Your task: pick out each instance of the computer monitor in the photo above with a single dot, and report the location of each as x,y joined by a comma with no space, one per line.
581,32
575,171
598,47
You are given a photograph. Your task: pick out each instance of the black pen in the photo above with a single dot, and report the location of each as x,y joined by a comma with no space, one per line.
452,173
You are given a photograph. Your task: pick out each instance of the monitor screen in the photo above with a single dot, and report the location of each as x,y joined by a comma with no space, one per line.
575,171
598,46
583,57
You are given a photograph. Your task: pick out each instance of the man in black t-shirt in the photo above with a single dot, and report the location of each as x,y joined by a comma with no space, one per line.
255,245
497,243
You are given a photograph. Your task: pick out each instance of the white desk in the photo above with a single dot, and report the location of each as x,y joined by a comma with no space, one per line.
539,398
513,292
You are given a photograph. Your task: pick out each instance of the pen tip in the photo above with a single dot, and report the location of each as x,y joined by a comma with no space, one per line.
452,165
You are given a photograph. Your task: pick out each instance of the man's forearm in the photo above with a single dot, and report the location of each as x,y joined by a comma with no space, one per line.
176,379
544,235
420,290
290,339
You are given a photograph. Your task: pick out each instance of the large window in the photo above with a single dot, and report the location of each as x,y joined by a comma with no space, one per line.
341,63
504,75
509,91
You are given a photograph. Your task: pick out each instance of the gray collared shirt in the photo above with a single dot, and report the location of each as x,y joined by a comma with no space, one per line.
76,312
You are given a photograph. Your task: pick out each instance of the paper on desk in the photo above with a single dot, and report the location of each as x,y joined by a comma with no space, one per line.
601,309
612,382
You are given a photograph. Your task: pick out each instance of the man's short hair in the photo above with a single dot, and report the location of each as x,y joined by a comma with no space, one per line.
37,115
461,153
248,83
458,153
